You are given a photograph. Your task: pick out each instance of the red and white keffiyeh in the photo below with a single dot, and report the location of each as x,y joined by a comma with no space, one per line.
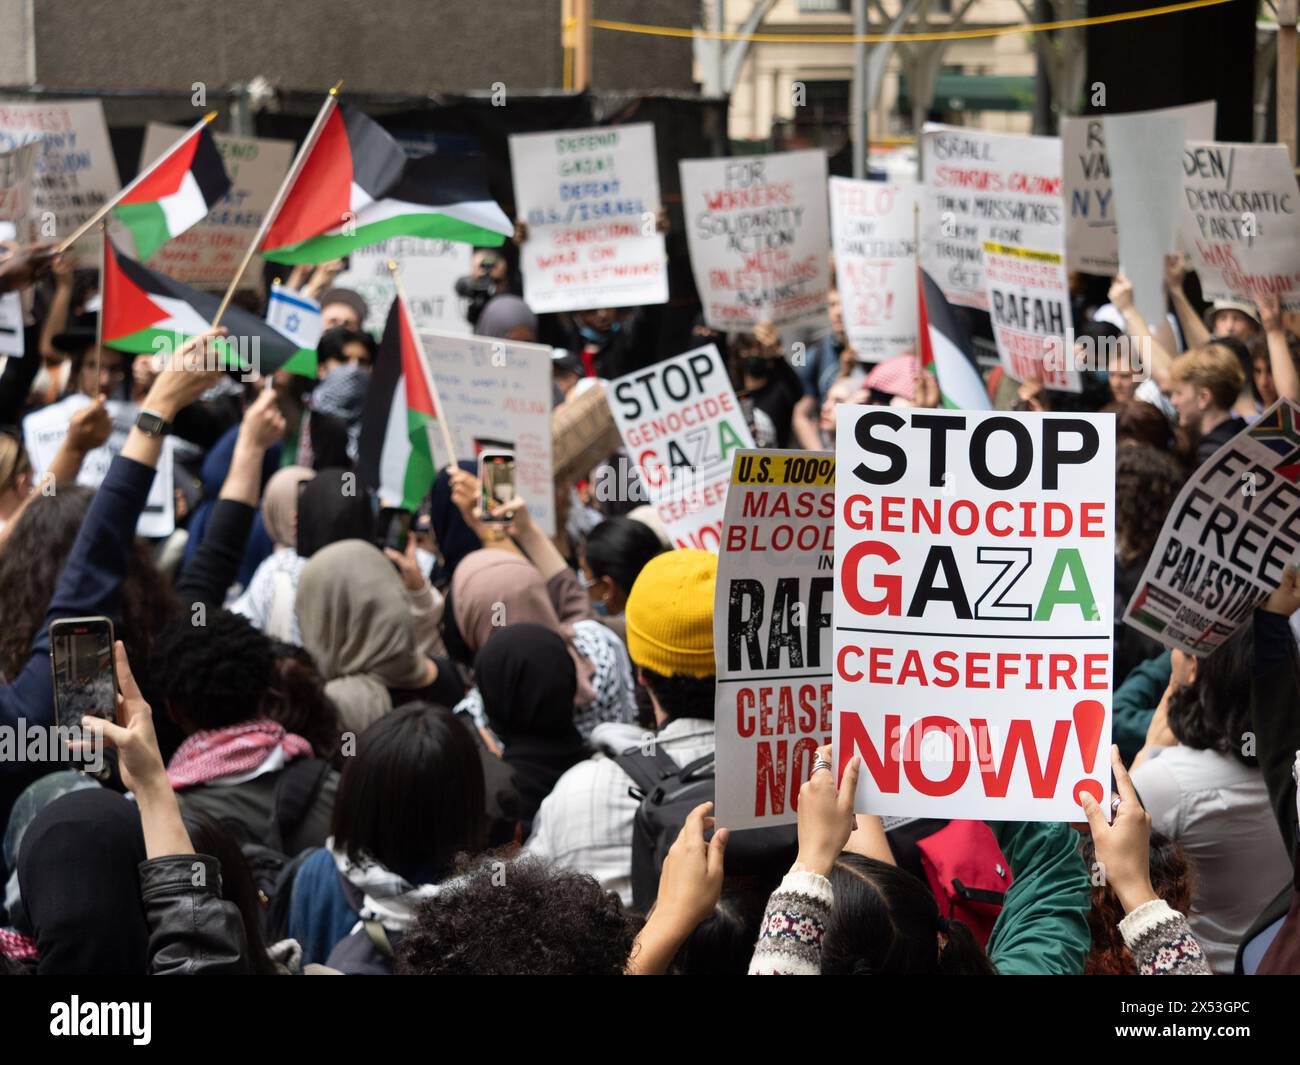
211,754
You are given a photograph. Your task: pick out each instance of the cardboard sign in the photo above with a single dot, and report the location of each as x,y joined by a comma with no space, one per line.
758,231
1029,306
1091,234
44,431
873,226
973,610
681,422
1240,221
1229,535
985,187
76,173
16,170
497,394
589,198
430,269
209,252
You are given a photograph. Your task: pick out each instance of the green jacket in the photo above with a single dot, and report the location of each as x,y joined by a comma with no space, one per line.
1043,927
1135,702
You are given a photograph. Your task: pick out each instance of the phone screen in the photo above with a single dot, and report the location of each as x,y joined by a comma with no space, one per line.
81,652
394,527
496,471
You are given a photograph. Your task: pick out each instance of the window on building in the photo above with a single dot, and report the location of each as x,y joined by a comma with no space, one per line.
822,7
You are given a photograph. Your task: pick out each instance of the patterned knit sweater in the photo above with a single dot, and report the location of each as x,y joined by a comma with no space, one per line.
1161,942
790,939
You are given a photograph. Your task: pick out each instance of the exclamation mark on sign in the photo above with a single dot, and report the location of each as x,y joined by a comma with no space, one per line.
1088,718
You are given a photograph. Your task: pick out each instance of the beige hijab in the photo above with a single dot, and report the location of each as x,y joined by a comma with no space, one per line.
356,623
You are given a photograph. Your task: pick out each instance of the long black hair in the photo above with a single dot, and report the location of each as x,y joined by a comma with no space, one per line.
885,922
1213,712
619,548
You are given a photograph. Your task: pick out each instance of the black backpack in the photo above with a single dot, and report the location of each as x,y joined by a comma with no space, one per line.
668,792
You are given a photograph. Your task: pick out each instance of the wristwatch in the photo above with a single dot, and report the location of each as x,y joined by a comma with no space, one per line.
152,423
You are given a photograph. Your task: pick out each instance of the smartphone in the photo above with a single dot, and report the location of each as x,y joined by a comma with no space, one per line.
394,527
496,474
85,681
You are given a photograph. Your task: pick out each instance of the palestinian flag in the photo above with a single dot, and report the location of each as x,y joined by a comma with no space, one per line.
395,453
175,193
943,345
357,187
144,311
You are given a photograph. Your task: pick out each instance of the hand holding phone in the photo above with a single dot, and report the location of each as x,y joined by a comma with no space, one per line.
85,683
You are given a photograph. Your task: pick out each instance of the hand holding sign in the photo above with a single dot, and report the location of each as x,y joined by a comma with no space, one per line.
1124,845
826,813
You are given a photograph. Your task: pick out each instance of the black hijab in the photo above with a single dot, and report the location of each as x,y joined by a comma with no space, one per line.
78,870
333,507
528,682
455,538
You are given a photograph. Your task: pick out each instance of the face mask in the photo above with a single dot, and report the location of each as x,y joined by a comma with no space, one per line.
594,337
755,366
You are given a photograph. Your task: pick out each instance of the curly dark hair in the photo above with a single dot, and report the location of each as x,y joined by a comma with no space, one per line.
523,917
681,695
1171,878
1147,482
215,674
1213,712
300,704
32,561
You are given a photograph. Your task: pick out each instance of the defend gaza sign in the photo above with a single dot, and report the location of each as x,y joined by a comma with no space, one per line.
681,422
973,610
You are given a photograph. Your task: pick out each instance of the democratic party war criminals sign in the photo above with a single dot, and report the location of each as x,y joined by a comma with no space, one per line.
758,229
973,610
1229,535
681,423
772,632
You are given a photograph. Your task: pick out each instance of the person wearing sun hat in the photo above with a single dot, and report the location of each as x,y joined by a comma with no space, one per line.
586,823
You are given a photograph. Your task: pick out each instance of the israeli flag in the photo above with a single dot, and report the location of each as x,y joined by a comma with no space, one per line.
294,315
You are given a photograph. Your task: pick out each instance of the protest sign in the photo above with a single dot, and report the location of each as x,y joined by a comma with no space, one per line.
76,173
11,309
680,422
1145,153
1239,221
497,394
1029,306
973,610
1091,237
430,269
1229,535
589,198
758,232
985,187
873,227
45,429
16,169
209,252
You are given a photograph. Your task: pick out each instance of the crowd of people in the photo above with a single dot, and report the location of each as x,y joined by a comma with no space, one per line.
335,755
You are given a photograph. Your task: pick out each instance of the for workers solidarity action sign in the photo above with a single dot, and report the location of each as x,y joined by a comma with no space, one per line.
590,199
1229,535
1240,222
772,632
681,422
873,226
758,231
973,610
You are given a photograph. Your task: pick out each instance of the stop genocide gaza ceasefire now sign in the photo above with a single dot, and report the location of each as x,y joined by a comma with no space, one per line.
973,610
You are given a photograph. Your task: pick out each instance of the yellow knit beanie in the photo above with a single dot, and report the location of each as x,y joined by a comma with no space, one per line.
670,614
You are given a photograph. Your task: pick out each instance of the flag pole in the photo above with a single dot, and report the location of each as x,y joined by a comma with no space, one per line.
424,365
98,216
282,193
99,318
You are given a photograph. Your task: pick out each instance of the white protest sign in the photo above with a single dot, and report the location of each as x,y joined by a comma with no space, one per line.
430,269
589,198
17,167
209,252
11,310
1091,238
1226,540
1239,221
45,429
758,232
76,173
497,393
873,229
980,187
1146,153
1029,306
681,422
973,610
772,632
